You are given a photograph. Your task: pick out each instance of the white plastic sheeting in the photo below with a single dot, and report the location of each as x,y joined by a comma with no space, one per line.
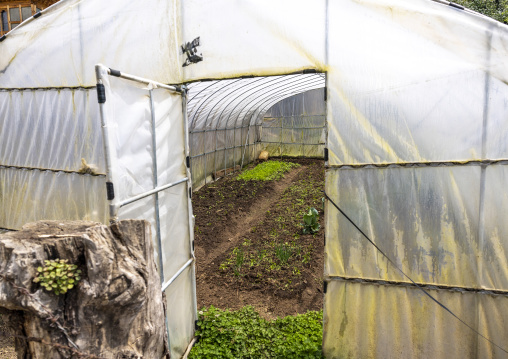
409,108
46,136
61,47
403,128
415,88
40,134
296,126
31,195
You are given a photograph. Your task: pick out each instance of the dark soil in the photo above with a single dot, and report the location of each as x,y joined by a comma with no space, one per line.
250,247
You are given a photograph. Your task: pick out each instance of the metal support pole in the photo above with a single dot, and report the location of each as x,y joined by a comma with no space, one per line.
100,72
156,200
225,149
189,201
155,185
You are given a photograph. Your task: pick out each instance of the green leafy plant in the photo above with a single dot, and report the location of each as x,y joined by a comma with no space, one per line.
58,276
310,221
239,258
267,171
283,252
244,334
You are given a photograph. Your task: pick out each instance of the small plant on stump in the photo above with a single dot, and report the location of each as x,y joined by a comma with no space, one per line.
310,221
58,276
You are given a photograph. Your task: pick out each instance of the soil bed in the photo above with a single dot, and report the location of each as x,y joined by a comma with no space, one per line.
250,246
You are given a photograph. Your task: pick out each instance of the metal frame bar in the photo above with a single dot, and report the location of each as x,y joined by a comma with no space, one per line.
189,201
142,80
149,193
302,116
155,183
221,149
217,129
100,72
297,128
176,275
295,143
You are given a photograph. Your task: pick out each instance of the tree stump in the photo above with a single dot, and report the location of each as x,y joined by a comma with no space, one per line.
115,311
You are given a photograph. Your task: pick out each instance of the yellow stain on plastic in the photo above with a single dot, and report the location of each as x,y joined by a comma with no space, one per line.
367,127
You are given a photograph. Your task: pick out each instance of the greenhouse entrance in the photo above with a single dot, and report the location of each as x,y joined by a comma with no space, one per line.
232,121
187,137
249,245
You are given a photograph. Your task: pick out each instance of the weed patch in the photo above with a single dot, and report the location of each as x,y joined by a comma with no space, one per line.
244,334
267,171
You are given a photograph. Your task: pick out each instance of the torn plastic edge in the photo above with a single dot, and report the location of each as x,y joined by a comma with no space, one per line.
54,170
71,88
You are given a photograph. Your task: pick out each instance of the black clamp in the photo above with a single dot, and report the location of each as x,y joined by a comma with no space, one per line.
457,6
192,53
101,93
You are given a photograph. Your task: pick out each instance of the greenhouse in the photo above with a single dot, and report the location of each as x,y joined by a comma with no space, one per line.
406,102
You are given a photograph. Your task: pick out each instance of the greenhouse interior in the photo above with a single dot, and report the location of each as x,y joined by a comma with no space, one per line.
101,121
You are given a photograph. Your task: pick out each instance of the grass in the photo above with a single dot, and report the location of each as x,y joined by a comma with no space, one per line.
267,171
244,334
283,252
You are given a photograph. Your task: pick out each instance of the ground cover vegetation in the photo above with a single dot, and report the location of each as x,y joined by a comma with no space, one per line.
245,334
267,171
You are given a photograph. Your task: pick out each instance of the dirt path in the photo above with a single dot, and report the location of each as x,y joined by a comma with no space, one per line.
231,213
